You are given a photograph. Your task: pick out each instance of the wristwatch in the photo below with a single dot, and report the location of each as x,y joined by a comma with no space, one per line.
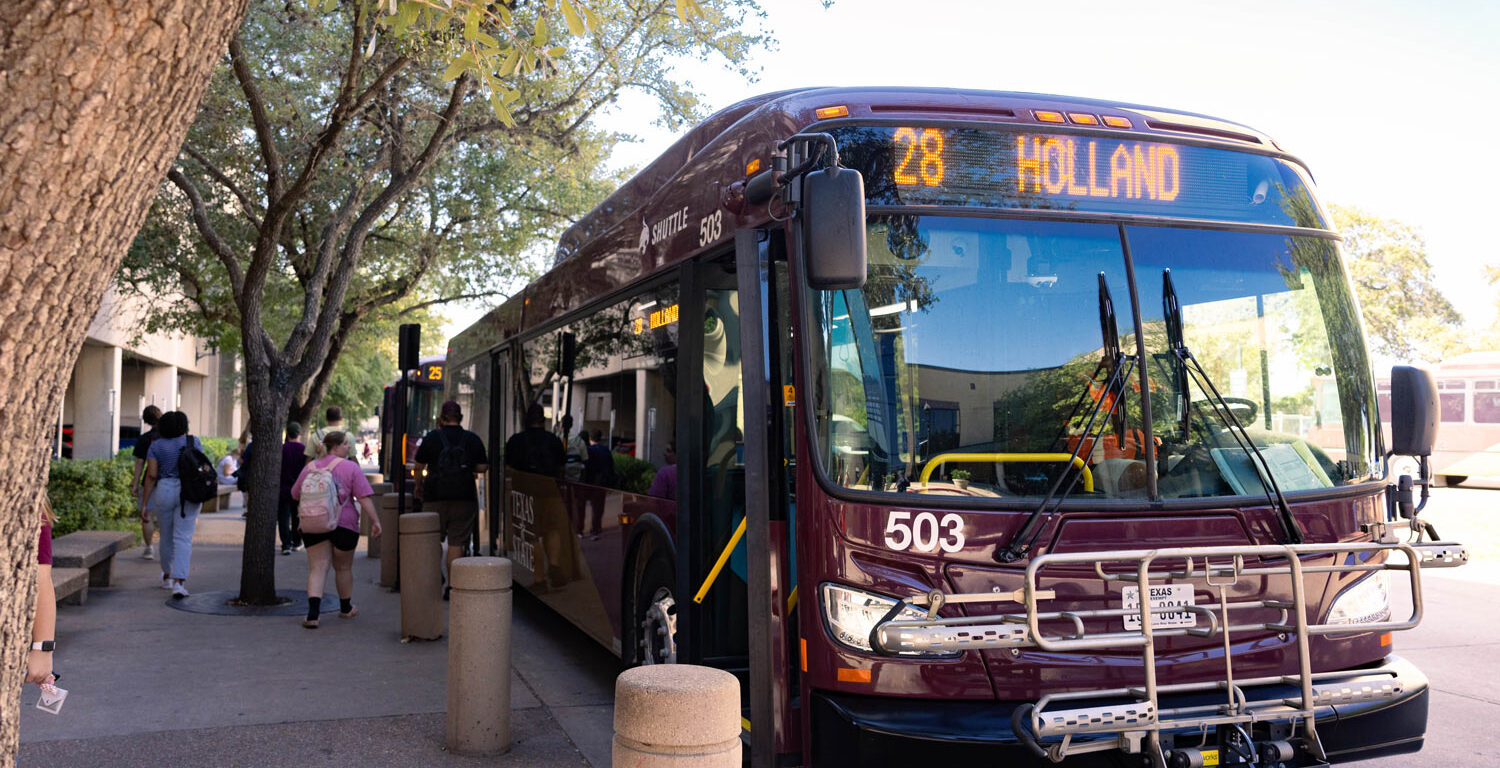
44,645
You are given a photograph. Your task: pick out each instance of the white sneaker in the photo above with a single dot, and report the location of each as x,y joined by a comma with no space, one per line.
179,590
148,554
166,581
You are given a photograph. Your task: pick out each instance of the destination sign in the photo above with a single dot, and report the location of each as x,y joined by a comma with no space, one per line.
658,319
1084,172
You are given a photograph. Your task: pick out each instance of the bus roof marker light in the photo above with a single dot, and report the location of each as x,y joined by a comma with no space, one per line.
1048,116
1117,122
828,113
1083,118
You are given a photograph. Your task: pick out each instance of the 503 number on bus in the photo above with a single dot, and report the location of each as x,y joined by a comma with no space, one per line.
924,532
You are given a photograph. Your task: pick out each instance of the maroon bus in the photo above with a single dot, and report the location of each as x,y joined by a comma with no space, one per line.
898,402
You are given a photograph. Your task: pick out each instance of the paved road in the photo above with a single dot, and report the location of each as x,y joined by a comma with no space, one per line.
1458,644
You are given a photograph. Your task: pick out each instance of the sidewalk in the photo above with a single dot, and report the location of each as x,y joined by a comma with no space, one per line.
153,686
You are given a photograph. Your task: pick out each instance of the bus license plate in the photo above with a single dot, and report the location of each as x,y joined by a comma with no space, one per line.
1164,597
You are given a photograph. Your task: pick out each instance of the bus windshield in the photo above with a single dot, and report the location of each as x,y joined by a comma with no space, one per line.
977,361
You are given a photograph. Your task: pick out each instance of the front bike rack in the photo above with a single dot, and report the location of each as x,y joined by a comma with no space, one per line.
1133,718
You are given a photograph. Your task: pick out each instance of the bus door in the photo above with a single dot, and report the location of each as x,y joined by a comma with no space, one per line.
740,623
499,427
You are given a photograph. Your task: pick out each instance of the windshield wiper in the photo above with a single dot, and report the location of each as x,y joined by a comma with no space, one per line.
1185,365
1120,366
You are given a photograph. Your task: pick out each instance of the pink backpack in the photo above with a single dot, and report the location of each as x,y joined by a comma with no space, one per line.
318,507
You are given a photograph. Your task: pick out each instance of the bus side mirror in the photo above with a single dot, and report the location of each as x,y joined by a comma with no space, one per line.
833,200
1414,411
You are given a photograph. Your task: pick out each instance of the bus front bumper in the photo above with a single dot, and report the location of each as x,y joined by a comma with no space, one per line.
852,730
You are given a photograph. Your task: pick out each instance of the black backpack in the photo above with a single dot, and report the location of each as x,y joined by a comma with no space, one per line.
200,482
452,466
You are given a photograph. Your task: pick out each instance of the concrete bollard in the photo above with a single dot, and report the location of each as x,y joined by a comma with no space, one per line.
677,715
388,550
374,477
421,573
479,656
372,542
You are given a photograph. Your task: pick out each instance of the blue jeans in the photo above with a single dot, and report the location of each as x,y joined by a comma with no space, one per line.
176,521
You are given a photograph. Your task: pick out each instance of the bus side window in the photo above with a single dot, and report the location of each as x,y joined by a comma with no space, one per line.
1451,400
1487,401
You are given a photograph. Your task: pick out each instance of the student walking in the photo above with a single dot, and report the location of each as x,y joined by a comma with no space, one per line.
149,417
176,516
337,546
334,417
446,463
293,458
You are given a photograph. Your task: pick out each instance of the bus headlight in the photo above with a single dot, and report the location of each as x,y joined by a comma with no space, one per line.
1366,601
851,614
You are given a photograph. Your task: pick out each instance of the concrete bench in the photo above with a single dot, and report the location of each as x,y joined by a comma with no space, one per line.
71,585
220,502
94,550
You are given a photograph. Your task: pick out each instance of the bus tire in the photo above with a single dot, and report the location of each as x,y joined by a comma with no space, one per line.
653,621
1452,481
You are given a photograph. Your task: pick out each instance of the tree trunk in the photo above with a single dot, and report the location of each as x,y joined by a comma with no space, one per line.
95,99
268,408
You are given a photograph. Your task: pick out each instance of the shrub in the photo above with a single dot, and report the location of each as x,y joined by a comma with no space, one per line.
91,494
960,474
635,474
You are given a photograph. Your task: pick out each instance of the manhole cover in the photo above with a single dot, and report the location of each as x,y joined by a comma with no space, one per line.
218,604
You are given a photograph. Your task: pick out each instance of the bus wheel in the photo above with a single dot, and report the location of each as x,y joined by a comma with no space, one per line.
656,614
1452,481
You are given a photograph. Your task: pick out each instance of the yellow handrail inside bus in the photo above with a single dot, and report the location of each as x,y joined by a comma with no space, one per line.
719,566
943,458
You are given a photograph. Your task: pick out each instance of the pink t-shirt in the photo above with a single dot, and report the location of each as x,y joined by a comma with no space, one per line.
347,476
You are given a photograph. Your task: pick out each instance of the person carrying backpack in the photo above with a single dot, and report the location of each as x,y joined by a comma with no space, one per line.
446,463
327,490
173,490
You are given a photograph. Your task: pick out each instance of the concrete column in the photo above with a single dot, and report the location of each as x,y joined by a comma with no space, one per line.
229,401
389,547
201,419
96,402
677,715
479,656
421,572
160,390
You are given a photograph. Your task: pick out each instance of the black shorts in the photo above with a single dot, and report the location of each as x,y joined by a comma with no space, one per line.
344,540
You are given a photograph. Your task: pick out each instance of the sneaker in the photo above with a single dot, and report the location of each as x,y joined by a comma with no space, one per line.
286,550
147,554
166,581
179,590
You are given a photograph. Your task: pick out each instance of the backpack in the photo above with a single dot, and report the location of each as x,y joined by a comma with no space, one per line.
200,480
318,507
452,466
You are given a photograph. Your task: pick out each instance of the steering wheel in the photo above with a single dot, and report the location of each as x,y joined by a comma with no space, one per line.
1241,408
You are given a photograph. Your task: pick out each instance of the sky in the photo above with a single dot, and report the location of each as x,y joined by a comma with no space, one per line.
1387,102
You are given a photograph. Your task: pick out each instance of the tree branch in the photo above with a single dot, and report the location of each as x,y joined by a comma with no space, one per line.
210,235
219,176
263,134
353,243
451,299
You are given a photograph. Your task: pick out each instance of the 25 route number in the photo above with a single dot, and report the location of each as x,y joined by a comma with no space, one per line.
710,228
924,533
